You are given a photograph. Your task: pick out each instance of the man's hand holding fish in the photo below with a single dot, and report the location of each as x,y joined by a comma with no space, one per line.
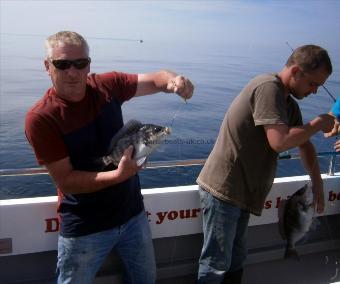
127,166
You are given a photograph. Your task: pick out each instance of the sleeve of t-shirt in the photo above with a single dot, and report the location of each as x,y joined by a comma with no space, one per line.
269,105
294,113
45,139
122,86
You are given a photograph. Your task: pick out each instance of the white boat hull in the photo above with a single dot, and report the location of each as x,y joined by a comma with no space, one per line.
29,229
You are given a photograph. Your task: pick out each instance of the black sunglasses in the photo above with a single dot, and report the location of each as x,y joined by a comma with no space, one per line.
63,64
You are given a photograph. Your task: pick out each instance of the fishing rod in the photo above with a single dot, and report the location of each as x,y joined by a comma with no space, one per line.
287,155
324,87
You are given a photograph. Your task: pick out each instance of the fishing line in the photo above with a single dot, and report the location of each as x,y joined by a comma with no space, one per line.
330,95
171,125
312,168
326,216
174,248
172,254
176,113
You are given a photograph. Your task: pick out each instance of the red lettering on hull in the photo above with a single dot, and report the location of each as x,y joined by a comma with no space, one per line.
52,225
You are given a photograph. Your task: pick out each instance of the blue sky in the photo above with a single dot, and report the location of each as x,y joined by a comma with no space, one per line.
233,22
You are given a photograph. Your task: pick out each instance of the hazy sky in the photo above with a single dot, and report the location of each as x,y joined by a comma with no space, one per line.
234,22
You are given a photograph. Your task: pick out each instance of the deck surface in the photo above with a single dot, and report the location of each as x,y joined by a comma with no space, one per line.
316,268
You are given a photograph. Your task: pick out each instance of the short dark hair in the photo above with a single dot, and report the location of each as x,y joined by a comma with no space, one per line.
310,57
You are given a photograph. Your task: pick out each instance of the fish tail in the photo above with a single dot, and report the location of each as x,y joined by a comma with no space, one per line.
291,253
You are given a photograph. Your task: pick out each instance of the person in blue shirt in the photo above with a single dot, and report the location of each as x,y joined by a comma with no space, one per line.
336,109
336,129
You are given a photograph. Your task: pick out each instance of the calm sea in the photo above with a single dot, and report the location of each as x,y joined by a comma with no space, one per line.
218,72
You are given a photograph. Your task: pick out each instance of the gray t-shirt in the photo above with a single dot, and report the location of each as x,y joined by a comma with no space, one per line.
242,165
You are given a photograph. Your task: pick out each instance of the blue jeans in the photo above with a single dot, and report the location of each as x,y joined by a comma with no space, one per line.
80,258
225,238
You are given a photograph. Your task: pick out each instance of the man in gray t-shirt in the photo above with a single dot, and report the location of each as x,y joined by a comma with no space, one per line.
262,121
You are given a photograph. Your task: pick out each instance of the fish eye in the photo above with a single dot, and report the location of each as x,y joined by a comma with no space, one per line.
157,129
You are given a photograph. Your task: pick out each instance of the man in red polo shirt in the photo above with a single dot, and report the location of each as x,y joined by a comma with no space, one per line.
70,127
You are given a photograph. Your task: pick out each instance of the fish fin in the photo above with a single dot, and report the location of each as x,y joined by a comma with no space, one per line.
280,212
141,161
100,163
106,160
307,235
130,127
291,253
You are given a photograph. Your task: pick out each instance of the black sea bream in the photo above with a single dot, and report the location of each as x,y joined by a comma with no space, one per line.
296,218
145,138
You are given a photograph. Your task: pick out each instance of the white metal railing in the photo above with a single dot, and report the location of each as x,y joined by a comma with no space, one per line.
170,164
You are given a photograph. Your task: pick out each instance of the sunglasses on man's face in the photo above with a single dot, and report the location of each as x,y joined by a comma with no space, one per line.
63,64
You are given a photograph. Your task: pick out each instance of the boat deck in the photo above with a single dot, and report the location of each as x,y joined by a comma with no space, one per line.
177,260
314,268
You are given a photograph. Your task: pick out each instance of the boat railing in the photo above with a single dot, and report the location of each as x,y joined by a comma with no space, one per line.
171,164
332,164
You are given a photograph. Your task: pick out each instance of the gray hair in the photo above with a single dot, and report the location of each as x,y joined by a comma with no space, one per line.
65,38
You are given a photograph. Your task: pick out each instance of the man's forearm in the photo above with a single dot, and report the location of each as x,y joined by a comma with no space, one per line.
155,82
282,138
310,162
163,79
77,182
